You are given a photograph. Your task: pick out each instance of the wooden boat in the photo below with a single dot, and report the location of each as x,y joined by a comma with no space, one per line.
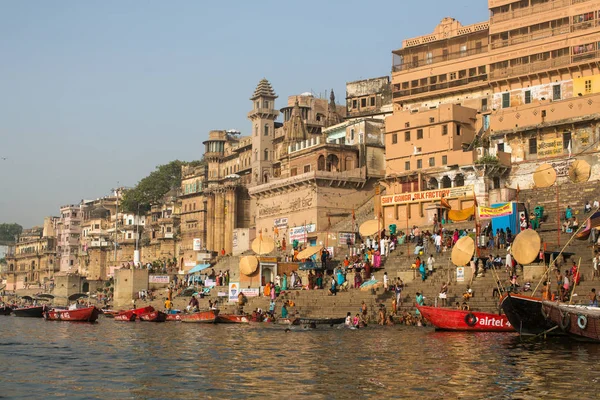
174,317
88,314
208,317
154,316
579,321
5,310
318,321
232,319
459,320
525,314
132,315
30,312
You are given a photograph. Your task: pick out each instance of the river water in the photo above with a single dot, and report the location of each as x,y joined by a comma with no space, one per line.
120,360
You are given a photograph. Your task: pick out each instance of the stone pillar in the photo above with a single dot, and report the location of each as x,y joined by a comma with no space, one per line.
210,222
219,216
230,212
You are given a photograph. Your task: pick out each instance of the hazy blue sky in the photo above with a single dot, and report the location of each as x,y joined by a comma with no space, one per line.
95,93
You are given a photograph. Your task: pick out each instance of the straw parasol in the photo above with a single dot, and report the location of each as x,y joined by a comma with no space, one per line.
579,171
263,245
308,252
544,176
369,228
248,265
526,246
463,251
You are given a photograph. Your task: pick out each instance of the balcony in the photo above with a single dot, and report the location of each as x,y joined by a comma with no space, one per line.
426,90
525,69
427,62
541,34
263,112
523,12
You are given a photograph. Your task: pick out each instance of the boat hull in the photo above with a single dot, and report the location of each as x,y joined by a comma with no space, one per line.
5,310
29,312
89,314
232,319
132,315
568,319
459,320
206,317
318,321
154,316
174,317
525,314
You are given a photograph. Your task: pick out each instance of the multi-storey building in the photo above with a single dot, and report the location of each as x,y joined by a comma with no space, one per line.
193,214
479,107
32,261
68,233
162,230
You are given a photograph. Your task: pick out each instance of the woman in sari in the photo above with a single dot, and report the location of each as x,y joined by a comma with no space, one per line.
284,282
376,259
272,292
420,301
357,279
455,237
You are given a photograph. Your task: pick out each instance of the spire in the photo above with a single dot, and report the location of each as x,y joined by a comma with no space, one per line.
332,98
333,117
263,89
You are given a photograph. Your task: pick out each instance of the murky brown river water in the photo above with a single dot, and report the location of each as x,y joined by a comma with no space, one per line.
119,360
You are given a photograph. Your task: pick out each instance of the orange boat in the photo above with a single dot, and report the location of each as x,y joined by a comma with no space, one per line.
232,319
88,314
153,316
459,320
208,317
132,315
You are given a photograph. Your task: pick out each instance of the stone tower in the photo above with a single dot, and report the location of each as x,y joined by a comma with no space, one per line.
263,117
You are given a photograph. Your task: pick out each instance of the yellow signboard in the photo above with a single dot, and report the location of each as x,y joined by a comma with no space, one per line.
550,147
427,195
492,212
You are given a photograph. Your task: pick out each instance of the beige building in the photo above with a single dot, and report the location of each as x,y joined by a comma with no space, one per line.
479,107
193,215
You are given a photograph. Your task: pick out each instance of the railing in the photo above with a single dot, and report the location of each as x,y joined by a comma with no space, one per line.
267,111
532,36
529,68
440,58
522,12
439,86
585,56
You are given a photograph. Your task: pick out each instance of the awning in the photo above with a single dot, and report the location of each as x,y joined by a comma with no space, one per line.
198,268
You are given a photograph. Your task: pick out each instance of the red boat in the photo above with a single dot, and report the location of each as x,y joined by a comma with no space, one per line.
132,315
174,317
154,316
232,319
88,314
459,320
209,317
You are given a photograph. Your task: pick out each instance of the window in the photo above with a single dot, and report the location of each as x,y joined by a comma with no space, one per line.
363,102
588,87
255,130
429,58
463,50
505,100
266,155
483,104
407,136
556,92
307,168
71,263
452,76
431,120
419,164
266,130
567,140
265,104
478,47
293,172
432,161
407,124
444,160
372,101
352,134
419,134
444,130
458,129
532,145
354,103
527,96
394,138
501,147
407,165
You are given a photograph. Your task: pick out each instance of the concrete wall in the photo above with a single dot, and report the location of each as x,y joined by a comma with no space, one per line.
128,282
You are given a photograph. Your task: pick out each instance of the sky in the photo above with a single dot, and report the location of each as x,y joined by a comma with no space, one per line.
95,95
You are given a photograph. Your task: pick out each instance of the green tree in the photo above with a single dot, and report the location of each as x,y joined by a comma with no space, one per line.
9,231
151,189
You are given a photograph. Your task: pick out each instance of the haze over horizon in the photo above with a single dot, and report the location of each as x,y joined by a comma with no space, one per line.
96,95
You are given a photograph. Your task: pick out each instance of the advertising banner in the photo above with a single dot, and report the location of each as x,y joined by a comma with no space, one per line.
428,195
460,274
234,291
197,244
498,211
280,223
158,279
299,233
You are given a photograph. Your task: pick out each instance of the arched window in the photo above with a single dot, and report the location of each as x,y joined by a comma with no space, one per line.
446,182
255,130
321,163
349,164
255,154
433,184
459,180
333,163
266,130
266,155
